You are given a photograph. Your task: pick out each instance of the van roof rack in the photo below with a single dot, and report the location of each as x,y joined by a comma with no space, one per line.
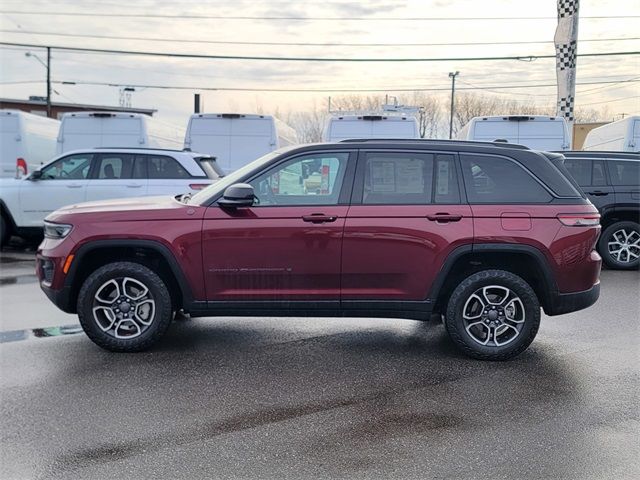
500,144
142,148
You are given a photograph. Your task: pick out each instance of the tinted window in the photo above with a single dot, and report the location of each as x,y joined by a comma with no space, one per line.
114,166
139,167
309,180
73,167
165,168
580,170
624,172
490,179
598,176
398,178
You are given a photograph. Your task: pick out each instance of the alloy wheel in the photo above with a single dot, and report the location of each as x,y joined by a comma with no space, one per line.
493,316
123,307
624,245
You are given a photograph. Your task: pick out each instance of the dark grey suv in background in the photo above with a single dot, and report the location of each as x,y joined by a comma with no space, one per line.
611,180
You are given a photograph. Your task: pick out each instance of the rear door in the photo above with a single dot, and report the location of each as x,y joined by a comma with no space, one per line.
117,175
625,177
407,215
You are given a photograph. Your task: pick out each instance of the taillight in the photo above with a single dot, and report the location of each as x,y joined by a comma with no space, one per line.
21,167
579,220
198,186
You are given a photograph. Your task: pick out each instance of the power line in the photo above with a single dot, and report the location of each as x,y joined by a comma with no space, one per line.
527,58
319,90
303,19
304,44
608,101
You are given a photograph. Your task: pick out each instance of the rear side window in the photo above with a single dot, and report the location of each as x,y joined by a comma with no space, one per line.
624,172
114,166
491,179
598,176
397,178
160,167
580,170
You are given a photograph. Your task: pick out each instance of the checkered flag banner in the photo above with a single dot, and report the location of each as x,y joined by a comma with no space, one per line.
566,43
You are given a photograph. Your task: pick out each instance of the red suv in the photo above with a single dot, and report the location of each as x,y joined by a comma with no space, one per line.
484,234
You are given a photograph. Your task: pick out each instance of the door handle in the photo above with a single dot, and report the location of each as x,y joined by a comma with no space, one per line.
598,193
134,185
318,218
74,185
444,218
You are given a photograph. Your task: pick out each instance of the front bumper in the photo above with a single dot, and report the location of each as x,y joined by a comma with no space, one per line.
61,298
572,302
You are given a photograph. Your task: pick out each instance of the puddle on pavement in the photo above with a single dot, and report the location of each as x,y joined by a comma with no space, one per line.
19,335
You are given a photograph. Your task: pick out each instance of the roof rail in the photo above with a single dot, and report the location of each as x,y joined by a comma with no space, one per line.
141,148
435,140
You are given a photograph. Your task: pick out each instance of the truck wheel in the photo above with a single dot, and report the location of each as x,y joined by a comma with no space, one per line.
493,315
619,245
124,307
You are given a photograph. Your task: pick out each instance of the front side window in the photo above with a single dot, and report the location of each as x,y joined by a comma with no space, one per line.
161,167
310,180
73,167
624,172
114,166
491,179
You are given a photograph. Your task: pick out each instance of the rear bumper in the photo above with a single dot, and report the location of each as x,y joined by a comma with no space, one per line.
572,302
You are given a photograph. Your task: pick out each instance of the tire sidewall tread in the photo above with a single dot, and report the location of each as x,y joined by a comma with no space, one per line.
154,332
454,323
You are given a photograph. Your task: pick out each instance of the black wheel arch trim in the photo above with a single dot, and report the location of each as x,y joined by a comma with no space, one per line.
163,250
6,213
550,293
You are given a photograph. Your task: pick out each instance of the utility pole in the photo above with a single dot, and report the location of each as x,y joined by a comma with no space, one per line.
452,76
196,103
48,81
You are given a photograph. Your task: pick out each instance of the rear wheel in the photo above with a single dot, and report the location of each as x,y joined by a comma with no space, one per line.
124,307
493,315
619,245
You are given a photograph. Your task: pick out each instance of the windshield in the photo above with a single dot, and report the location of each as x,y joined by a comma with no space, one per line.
203,196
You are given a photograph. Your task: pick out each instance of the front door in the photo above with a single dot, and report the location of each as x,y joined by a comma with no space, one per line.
287,246
63,182
407,215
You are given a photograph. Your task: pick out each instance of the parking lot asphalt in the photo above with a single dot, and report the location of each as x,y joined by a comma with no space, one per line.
318,398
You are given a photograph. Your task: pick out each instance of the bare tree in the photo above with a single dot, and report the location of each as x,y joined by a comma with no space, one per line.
308,125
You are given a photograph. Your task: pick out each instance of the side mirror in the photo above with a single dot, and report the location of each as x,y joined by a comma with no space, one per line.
36,175
238,195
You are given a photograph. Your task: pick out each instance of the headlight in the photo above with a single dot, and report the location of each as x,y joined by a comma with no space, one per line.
56,230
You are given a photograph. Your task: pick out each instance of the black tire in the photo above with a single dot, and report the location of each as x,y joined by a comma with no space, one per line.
160,318
4,231
608,235
457,327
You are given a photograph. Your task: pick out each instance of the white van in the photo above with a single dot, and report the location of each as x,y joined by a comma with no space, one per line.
620,136
535,131
236,139
341,127
26,141
80,130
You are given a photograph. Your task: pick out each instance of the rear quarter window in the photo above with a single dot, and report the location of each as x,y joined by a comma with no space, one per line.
161,167
624,172
492,179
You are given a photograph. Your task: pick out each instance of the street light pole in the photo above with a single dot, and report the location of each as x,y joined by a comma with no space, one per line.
452,76
48,81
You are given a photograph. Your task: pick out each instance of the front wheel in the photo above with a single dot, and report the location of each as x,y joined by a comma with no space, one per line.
619,245
493,315
124,307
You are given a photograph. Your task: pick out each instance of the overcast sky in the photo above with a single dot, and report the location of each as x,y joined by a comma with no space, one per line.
359,23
